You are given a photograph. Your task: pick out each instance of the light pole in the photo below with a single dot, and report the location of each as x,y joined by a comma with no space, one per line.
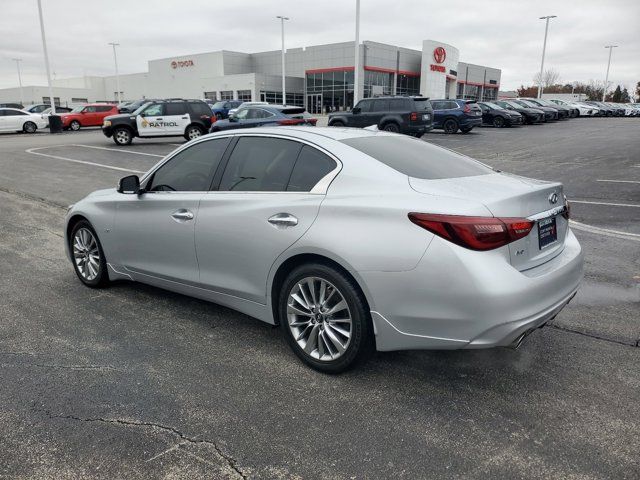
606,80
284,92
18,60
356,64
115,60
544,48
46,59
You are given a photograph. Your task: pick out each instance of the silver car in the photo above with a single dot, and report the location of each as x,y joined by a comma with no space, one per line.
350,240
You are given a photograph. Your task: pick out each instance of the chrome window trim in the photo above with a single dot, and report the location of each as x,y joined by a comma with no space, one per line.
548,213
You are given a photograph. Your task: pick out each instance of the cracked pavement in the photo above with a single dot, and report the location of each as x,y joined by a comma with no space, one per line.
135,382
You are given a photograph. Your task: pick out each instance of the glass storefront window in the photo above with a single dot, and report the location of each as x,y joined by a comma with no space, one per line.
330,91
244,95
226,95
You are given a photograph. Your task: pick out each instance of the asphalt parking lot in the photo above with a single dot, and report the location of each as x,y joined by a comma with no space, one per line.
136,382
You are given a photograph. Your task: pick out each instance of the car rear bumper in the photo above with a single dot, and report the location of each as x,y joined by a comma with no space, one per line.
417,129
466,122
457,298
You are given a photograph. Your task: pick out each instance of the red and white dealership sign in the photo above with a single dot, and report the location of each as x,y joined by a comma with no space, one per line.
181,64
439,54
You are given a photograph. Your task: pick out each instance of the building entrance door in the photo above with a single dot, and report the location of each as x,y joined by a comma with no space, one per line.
314,103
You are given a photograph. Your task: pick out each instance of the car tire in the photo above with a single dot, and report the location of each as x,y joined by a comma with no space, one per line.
87,255
192,132
74,125
325,341
29,127
122,136
337,123
498,122
450,126
391,127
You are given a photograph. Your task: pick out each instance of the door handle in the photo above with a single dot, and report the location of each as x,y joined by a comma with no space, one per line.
283,220
187,118
182,215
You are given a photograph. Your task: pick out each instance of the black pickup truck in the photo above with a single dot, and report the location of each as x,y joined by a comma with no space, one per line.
410,115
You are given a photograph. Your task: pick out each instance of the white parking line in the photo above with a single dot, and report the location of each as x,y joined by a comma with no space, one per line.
605,203
111,167
619,181
604,231
118,150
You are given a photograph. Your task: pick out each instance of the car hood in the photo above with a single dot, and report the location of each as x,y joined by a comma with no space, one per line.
119,116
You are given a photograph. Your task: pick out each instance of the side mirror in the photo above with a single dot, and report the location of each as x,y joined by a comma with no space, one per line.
232,117
129,184
356,110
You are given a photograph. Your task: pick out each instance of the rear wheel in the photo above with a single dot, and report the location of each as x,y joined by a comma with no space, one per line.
30,127
88,258
192,132
450,126
324,317
498,122
122,136
74,125
391,127
337,123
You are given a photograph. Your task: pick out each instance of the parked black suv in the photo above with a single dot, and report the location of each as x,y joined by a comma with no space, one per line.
160,118
410,115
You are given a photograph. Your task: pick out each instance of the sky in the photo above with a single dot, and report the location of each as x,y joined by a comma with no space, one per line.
505,34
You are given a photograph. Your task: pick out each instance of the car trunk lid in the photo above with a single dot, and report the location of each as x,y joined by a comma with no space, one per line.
512,196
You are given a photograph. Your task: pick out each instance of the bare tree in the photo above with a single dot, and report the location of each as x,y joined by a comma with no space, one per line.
549,77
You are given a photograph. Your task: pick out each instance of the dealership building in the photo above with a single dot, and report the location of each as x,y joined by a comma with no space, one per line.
319,77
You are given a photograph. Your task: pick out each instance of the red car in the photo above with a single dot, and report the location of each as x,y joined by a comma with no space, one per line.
90,115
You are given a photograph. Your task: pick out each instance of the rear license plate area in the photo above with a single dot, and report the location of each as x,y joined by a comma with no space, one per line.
547,232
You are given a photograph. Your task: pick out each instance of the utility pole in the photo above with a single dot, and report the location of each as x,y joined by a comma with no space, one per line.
544,48
284,92
115,60
46,59
356,65
18,60
606,81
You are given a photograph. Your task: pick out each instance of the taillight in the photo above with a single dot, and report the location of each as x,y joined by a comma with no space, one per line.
475,233
291,121
312,121
467,108
414,116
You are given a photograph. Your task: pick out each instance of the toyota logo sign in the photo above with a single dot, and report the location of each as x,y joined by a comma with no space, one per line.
439,54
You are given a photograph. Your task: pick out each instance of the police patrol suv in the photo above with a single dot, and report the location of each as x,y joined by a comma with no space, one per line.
161,118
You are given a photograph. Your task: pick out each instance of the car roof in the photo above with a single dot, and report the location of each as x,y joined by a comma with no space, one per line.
308,133
14,109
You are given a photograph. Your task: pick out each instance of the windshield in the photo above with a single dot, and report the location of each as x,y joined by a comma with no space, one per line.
139,110
77,109
220,104
416,158
493,105
509,103
528,104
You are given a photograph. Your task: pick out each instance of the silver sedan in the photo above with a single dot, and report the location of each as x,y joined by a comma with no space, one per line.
350,240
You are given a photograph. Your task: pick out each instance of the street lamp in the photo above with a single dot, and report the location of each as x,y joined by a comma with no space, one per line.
284,93
356,64
18,60
115,60
606,81
46,59
544,48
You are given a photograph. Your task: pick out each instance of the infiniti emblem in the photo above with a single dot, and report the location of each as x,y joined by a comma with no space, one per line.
553,198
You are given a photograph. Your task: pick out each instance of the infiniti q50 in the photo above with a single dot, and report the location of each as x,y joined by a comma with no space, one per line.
349,240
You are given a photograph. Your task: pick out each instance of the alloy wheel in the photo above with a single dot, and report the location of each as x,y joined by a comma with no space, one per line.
75,126
122,137
319,318
194,133
86,254
30,127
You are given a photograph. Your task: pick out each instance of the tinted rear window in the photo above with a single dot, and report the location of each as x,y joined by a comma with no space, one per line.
417,158
422,104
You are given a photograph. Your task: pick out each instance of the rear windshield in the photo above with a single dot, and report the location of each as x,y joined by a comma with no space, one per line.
422,104
417,158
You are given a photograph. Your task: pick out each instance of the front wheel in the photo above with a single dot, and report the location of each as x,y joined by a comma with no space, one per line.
30,127
192,132
74,125
325,319
337,123
122,136
88,256
498,122
450,126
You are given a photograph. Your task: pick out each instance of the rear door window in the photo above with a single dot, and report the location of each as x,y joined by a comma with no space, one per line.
312,165
417,158
380,105
260,164
175,109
